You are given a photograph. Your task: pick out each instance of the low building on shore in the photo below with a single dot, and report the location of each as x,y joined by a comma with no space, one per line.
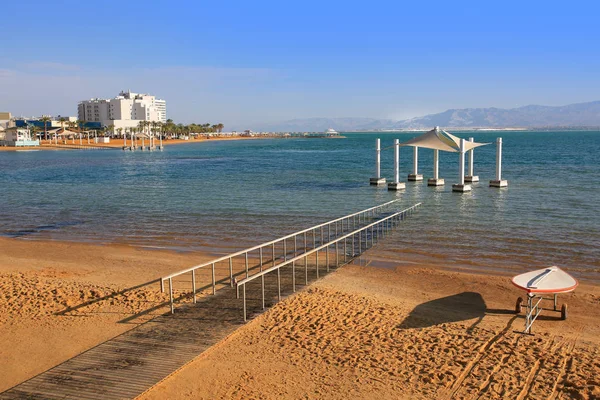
17,137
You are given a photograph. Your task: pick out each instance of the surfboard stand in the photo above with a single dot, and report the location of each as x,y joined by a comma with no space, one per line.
534,308
542,285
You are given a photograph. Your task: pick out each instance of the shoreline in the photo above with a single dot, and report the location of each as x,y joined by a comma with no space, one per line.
119,146
377,259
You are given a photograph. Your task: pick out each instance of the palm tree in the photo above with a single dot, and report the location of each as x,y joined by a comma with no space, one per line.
33,130
142,126
45,119
111,128
220,127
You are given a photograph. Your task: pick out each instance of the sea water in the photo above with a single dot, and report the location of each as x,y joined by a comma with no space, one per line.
225,195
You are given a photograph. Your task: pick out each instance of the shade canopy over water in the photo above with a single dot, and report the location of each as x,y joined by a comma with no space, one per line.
439,139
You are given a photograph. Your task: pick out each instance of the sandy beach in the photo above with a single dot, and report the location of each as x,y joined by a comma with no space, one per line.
360,332
365,332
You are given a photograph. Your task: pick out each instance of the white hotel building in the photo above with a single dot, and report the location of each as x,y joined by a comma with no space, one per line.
124,111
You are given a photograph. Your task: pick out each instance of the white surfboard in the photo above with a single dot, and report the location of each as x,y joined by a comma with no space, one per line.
547,280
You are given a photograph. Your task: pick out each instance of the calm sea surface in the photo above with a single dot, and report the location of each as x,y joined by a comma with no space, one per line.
233,194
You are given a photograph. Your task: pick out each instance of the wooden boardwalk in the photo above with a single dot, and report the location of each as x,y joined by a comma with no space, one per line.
129,364
133,362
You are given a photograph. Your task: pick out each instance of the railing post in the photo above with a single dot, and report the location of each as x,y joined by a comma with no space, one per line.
317,261
284,250
327,258
305,270
273,254
314,238
213,278
278,284
262,289
244,295
194,284
345,249
171,295
294,276
246,256
360,242
337,257
305,243
231,270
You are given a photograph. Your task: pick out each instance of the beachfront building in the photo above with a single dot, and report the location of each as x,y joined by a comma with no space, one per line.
124,111
15,137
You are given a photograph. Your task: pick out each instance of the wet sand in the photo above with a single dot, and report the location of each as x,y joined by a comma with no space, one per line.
410,331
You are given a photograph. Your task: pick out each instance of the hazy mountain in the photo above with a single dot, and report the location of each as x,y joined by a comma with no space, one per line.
322,124
581,114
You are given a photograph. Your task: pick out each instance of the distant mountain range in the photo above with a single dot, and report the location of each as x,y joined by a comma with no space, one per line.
581,114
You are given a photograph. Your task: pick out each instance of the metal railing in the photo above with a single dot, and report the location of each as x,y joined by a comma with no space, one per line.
373,231
279,249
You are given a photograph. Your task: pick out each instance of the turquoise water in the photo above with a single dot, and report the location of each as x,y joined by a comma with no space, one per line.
226,194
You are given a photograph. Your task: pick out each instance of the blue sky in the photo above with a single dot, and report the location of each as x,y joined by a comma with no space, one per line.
244,63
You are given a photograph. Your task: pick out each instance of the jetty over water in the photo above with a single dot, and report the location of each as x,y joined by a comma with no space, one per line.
208,302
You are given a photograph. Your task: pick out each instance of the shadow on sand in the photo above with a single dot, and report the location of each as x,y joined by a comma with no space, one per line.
459,307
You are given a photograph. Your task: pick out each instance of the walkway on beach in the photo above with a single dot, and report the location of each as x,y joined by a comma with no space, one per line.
132,363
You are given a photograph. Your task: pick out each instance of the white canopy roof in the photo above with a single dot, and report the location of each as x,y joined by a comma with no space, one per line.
65,132
439,139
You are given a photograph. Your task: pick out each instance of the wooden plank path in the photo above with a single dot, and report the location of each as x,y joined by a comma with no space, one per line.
129,364
133,362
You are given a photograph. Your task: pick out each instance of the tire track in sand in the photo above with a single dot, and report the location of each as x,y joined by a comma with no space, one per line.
480,354
567,361
537,367
485,386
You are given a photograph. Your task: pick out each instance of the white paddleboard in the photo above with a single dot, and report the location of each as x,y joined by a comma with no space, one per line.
547,280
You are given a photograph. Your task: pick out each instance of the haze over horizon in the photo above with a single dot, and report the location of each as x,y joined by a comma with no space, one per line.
243,64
